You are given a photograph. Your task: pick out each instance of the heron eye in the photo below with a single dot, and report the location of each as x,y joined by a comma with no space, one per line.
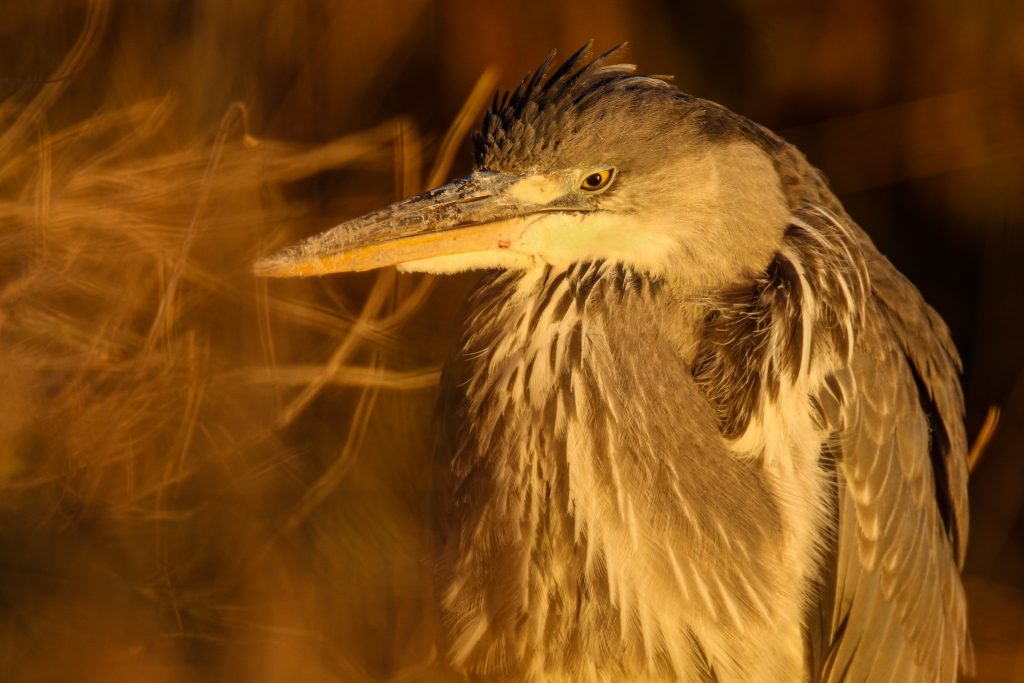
597,181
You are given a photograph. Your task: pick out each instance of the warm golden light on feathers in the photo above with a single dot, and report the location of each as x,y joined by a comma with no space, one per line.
206,475
711,316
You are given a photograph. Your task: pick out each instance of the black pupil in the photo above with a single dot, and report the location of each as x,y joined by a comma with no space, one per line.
594,180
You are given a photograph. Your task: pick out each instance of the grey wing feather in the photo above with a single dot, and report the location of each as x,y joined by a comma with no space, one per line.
897,604
925,340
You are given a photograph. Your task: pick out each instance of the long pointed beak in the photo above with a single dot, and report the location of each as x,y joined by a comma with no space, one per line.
481,212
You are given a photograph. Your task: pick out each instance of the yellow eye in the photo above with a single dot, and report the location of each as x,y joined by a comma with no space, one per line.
597,180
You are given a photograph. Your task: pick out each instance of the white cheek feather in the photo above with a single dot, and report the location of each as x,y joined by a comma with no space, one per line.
560,239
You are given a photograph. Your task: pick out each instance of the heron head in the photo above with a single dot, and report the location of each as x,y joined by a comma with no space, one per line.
591,162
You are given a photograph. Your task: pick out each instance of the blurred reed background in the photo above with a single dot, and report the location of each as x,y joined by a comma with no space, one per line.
207,477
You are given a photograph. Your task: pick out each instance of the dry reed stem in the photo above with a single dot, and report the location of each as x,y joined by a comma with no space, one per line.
139,362
384,284
95,23
165,314
346,375
380,293
985,434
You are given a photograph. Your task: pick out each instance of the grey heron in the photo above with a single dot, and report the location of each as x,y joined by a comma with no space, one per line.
696,426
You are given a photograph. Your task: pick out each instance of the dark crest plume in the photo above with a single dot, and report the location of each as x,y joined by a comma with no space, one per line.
527,123
525,127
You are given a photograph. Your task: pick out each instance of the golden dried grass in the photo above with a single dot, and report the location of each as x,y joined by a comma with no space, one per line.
160,517
191,493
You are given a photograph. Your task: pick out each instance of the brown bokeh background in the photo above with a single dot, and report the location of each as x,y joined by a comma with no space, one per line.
206,477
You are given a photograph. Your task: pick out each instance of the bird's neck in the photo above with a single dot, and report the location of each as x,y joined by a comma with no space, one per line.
527,329
600,469
563,382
